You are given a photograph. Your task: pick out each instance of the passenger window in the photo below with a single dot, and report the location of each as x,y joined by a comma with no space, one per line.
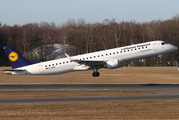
110,53
139,48
45,65
60,63
56,63
94,56
52,64
106,54
117,52
49,65
63,62
83,58
128,50
101,55
90,57
67,61
121,51
113,52
98,55
124,51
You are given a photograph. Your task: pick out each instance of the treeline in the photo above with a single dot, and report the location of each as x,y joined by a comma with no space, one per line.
91,37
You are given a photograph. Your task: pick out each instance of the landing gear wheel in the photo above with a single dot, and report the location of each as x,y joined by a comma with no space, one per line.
95,73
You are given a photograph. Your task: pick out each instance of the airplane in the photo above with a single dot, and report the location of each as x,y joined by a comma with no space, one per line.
110,59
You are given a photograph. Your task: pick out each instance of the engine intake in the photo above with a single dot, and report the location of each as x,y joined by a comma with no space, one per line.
112,64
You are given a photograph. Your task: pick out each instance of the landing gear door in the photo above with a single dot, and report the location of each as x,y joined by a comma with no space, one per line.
155,46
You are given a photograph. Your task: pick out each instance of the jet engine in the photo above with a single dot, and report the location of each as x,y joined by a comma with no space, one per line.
113,64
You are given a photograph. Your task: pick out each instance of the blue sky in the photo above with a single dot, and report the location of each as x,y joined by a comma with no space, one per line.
60,11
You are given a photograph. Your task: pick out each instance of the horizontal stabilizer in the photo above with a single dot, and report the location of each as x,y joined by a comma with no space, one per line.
14,70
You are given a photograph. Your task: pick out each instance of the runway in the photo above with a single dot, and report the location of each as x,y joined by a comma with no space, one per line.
160,92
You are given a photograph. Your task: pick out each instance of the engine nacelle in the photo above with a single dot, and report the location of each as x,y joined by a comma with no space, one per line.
113,64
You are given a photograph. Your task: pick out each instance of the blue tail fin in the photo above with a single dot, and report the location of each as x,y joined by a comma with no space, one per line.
15,59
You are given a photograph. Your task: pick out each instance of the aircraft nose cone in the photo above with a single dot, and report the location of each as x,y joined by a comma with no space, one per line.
175,48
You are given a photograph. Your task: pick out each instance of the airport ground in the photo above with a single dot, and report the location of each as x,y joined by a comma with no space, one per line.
92,110
124,75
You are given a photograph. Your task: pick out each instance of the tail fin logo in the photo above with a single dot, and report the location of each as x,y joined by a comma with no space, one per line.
13,56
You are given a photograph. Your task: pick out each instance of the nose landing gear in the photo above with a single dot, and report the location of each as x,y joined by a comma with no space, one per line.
160,56
96,73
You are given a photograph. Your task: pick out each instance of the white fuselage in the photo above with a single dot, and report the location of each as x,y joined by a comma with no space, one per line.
126,53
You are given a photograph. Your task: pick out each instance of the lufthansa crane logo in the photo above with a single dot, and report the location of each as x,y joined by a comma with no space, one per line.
13,56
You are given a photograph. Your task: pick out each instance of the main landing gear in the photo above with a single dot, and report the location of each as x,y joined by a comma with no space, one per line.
95,73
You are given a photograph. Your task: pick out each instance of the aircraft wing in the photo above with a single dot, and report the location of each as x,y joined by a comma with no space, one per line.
90,62
87,62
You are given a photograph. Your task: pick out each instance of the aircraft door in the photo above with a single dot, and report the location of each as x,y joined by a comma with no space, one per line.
40,68
155,46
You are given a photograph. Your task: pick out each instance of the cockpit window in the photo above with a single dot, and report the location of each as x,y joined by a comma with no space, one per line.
163,43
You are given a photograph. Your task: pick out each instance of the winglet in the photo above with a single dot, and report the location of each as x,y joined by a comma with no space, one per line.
71,59
67,55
